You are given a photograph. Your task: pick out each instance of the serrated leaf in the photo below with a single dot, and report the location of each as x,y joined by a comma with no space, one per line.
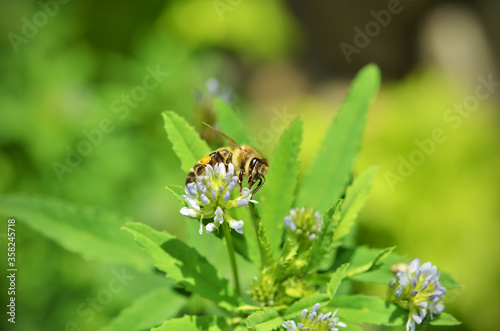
92,233
183,264
177,191
362,309
444,319
194,323
267,255
331,169
278,193
288,251
324,240
336,279
356,196
266,319
383,254
186,323
186,143
230,124
148,311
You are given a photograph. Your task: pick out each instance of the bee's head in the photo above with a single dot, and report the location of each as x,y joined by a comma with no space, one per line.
258,168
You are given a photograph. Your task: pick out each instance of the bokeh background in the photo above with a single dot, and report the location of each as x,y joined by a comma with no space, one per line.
67,67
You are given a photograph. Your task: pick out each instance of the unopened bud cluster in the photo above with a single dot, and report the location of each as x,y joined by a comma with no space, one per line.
304,224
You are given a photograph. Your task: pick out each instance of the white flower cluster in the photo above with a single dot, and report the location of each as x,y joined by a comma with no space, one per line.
314,321
209,197
417,288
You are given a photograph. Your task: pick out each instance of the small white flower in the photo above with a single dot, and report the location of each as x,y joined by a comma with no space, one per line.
188,212
237,226
289,325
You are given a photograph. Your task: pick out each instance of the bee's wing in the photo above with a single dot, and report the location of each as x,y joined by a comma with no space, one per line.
225,136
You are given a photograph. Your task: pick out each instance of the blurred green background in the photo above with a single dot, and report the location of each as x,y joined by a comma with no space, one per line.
75,78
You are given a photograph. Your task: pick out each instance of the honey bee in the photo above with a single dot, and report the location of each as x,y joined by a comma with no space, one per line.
399,267
247,162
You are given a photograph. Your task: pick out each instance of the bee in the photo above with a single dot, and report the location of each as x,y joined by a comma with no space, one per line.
247,162
399,267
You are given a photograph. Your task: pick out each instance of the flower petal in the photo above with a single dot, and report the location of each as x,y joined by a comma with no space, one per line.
237,226
188,212
210,227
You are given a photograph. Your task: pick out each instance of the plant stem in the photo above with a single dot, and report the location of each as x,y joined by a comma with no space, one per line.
232,257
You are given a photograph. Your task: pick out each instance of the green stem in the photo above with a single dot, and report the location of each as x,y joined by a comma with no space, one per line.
232,257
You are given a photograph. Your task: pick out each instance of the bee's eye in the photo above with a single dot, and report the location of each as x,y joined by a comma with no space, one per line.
253,162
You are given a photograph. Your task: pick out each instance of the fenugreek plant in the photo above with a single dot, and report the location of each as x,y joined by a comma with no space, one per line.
298,237
292,262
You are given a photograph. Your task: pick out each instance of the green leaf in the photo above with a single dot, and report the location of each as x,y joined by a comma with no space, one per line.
363,309
288,251
186,143
351,327
266,319
384,274
186,323
378,276
381,275
331,169
230,124
323,242
382,255
278,192
183,264
94,234
356,196
148,311
194,323
448,281
267,258
336,279
444,319
177,191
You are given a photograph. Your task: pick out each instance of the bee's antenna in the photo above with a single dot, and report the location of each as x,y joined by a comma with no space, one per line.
225,136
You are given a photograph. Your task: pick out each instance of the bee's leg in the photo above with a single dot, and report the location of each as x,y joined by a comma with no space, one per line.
229,159
216,157
191,177
262,180
199,171
240,179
